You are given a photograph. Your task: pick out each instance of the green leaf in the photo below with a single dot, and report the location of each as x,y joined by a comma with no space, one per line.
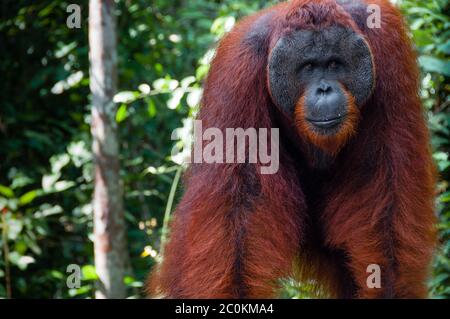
24,261
13,203
126,97
445,198
433,64
89,272
440,278
14,257
165,84
28,197
65,49
80,291
57,274
422,37
193,98
445,48
49,180
20,261
187,81
174,101
20,181
6,191
63,185
151,108
59,161
145,88
122,113
20,246
442,160
15,226
201,72
132,282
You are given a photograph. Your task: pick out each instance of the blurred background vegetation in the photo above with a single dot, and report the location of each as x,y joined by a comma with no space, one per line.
164,51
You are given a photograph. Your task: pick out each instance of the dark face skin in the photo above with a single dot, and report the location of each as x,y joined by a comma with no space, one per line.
320,66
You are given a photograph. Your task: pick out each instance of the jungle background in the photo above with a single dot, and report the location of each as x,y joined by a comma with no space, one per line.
164,49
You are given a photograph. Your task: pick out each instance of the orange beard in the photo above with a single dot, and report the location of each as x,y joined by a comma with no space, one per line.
331,144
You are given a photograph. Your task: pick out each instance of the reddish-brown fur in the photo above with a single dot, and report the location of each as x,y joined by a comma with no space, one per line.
236,232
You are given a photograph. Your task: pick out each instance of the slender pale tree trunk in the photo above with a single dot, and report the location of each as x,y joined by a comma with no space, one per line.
110,247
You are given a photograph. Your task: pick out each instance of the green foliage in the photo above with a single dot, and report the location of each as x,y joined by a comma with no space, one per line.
164,52
430,30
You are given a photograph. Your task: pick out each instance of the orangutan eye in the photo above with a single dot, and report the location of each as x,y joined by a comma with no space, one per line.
307,67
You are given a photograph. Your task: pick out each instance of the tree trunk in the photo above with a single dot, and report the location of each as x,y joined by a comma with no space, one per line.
109,224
